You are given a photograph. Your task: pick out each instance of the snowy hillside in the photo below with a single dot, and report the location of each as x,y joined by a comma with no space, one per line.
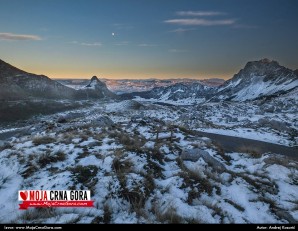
146,164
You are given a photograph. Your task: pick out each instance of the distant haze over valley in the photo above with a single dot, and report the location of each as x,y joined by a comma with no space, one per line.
136,85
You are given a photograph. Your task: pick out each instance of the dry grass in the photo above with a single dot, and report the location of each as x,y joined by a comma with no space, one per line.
105,218
149,184
196,180
122,166
253,152
83,174
43,140
239,207
186,130
220,151
260,185
192,195
169,216
48,158
36,215
216,210
284,161
69,136
86,175
154,168
30,169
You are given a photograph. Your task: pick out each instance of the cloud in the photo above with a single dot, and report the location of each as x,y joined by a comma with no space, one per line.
177,51
96,44
18,37
199,13
91,44
182,30
201,22
124,43
147,45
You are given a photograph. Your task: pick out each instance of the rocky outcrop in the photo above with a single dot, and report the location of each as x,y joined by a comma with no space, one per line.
96,89
103,121
274,124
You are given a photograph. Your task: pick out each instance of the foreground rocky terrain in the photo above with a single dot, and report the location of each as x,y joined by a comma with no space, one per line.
145,163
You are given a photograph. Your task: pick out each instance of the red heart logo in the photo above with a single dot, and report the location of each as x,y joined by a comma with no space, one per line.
24,195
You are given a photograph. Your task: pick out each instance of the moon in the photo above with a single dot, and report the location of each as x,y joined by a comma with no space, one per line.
113,34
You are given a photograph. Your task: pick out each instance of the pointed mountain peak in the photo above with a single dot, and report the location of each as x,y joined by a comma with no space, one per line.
95,83
269,62
94,78
266,60
262,63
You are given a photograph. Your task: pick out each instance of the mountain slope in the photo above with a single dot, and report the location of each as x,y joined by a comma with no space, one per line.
264,78
17,84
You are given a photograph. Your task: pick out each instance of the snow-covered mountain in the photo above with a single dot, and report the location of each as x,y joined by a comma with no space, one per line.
184,93
258,79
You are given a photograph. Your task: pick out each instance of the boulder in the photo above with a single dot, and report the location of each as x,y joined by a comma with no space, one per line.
61,119
69,117
94,144
263,122
196,154
231,119
274,124
103,121
279,126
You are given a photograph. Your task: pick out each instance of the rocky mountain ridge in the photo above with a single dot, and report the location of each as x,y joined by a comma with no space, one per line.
16,84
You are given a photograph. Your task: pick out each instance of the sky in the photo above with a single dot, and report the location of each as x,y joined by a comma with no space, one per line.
138,39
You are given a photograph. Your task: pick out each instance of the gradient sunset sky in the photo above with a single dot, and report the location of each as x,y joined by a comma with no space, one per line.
146,38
